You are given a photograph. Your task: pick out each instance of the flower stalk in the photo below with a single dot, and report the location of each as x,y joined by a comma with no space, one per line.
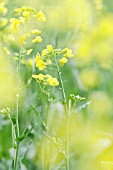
67,114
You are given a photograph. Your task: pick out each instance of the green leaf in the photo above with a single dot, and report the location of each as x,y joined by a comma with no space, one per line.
82,107
23,147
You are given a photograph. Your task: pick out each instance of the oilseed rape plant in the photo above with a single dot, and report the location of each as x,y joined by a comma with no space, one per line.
45,67
56,92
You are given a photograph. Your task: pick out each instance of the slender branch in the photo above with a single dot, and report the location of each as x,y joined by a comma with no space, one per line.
67,114
17,111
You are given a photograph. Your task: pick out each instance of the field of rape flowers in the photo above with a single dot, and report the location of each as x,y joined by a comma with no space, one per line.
56,90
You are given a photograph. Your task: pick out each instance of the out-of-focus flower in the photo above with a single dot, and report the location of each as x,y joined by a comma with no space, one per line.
37,39
26,14
3,9
101,103
40,16
15,22
3,22
90,78
30,62
35,31
7,51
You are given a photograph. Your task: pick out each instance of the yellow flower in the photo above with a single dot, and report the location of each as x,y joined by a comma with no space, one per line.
44,52
67,52
3,9
39,77
18,10
15,22
7,51
40,64
35,31
26,14
30,62
40,16
37,39
52,81
50,48
38,57
28,52
22,39
3,22
63,61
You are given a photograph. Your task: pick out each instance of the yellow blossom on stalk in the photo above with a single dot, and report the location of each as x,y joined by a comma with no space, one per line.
40,16
50,48
3,22
7,51
30,62
35,31
37,57
18,10
67,52
40,64
63,61
26,14
44,52
22,39
15,22
37,39
3,9
28,52
39,76
52,81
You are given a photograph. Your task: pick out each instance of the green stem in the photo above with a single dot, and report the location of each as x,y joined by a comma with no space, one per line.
67,115
17,112
13,133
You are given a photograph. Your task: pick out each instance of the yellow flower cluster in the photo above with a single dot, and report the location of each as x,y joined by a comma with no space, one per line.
6,51
15,22
47,51
24,13
46,79
3,22
40,16
49,54
3,9
67,53
32,32
39,62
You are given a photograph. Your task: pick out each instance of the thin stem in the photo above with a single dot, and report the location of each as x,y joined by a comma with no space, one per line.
17,112
67,115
